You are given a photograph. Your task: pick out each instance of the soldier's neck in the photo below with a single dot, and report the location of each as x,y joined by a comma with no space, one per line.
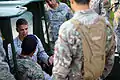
81,7
21,38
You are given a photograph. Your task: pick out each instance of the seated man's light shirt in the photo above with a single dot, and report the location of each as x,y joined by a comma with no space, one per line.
41,54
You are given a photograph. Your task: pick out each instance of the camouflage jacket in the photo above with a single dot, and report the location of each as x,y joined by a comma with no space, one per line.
28,69
56,17
117,28
68,55
115,5
39,55
4,68
98,6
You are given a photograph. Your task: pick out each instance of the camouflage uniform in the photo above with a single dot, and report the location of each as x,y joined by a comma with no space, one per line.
113,2
56,17
4,68
117,28
98,6
68,57
28,69
39,55
116,22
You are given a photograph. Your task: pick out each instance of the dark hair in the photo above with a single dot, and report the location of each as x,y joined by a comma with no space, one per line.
47,1
21,21
29,44
82,1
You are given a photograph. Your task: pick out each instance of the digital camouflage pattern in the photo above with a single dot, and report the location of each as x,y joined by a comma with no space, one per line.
117,28
116,22
68,55
28,69
56,17
113,2
4,68
39,55
2,51
6,75
98,6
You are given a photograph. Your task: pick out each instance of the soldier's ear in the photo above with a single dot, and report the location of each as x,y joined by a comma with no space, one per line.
71,1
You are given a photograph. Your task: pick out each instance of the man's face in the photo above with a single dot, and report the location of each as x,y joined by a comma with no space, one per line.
72,4
51,3
22,30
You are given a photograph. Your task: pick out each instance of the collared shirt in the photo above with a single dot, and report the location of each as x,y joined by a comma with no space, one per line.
56,17
68,55
40,53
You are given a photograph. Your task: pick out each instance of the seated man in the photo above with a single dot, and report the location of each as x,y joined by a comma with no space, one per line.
28,69
22,29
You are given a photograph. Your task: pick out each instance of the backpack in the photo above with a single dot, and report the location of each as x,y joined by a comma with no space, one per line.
93,44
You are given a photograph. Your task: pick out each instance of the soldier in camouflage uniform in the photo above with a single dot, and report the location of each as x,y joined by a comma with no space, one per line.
114,5
57,13
117,29
116,23
98,6
68,54
4,68
28,69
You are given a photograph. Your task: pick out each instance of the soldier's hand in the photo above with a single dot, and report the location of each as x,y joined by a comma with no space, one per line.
51,58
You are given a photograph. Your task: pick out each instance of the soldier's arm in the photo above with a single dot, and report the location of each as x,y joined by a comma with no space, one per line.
62,58
46,12
9,51
42,55
69,12
110,49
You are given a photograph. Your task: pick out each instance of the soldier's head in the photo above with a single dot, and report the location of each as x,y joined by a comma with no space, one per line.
22,28
79,4
29,45
52,3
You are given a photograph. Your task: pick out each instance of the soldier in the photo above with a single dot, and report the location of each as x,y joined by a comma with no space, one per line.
114,5
69,55
57,13
4,68
98,6
28,69
116,22
117,28
22,29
